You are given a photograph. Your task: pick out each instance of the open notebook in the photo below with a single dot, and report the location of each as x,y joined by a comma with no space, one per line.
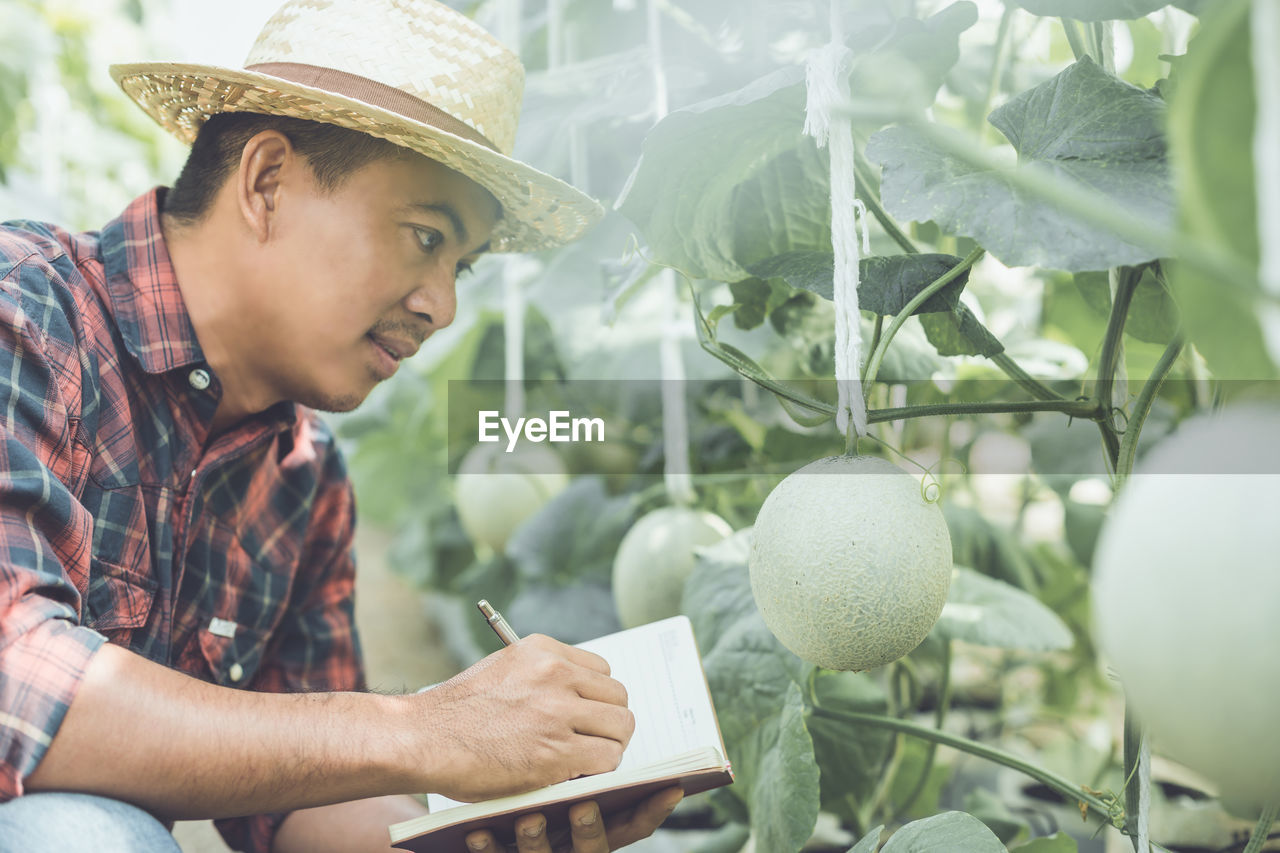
676,741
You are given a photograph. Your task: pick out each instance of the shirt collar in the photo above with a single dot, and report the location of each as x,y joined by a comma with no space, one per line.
143,288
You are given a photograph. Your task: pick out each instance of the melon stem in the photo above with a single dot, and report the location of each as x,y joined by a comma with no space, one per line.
1061,784
1261,830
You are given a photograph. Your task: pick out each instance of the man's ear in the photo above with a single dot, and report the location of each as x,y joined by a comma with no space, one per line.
263,161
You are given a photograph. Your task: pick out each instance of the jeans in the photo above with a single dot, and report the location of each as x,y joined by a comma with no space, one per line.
46,822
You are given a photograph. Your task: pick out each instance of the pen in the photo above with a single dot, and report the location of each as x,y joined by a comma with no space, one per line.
497,623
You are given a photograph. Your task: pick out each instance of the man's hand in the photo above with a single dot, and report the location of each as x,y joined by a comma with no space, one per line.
589,832
530,715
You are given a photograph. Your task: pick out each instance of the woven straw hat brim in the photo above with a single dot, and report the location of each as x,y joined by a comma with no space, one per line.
539,211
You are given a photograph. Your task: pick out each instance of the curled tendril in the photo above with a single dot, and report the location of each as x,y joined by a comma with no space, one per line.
1115,807
632,249
930,488
1116,410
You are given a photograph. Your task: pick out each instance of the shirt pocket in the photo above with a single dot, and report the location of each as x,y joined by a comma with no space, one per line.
232,651
118,600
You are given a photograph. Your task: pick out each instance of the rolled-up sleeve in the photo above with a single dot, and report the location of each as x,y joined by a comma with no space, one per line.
45,534
316,647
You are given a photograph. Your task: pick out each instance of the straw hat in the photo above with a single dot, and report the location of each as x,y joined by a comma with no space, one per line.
413,72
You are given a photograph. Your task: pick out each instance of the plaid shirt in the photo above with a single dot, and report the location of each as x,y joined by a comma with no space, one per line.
230,562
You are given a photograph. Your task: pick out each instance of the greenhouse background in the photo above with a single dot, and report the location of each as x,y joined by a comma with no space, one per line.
699,321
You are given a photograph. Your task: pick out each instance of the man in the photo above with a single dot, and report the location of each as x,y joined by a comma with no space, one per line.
176,631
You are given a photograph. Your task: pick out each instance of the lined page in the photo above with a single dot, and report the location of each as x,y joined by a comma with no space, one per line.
659,665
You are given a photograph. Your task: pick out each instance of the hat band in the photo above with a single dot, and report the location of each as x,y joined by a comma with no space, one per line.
373,93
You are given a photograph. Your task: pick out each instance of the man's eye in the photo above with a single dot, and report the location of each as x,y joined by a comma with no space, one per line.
428,240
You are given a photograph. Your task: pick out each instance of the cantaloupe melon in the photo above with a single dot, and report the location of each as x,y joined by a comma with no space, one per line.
656,557
1186,599
496,491
850,565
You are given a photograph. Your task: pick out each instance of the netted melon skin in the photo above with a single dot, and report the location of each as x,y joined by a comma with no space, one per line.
1186,595
655,559
850,565
497,491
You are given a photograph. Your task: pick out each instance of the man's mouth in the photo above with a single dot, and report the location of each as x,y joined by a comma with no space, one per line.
397,349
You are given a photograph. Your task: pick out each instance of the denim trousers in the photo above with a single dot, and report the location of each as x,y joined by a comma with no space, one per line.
67,822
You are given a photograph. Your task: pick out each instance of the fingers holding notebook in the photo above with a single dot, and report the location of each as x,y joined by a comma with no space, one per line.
589,832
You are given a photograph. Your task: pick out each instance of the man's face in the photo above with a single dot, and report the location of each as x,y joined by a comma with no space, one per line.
359,277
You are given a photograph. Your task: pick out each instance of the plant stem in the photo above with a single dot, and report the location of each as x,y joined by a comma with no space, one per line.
1142,408
1109,359
1133,735
944,702
873,366
864,181
1058,783
1032,385
875,341
997,68
1261,830
1075,408
1074,38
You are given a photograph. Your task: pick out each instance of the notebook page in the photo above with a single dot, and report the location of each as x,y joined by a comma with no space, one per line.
659,665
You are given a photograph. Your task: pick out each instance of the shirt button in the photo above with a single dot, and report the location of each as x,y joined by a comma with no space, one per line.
199,378
236,672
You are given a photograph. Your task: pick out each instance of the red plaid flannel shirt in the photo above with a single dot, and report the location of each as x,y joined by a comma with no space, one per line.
231,563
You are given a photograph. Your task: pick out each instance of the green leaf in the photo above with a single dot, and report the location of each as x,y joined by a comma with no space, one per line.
1063,452
849,757
869,842
781,776
949,832
1059,842
1211,120
1153,313
958,332
885,284
541,356
1093,10
755,683
756,300
909,358
573,537
992,811
992,550
730,838
729,181
1083,126
1082,523
913,762
572,614
989,612
909,62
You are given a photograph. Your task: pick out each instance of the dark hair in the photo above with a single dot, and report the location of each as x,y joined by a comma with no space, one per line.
332,152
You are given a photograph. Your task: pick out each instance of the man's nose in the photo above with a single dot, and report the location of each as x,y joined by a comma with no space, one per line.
435,300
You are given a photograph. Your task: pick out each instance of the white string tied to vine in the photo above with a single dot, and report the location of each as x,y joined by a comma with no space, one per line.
676,472
827,85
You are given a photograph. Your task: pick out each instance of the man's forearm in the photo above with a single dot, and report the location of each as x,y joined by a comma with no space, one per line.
186,749
531,714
